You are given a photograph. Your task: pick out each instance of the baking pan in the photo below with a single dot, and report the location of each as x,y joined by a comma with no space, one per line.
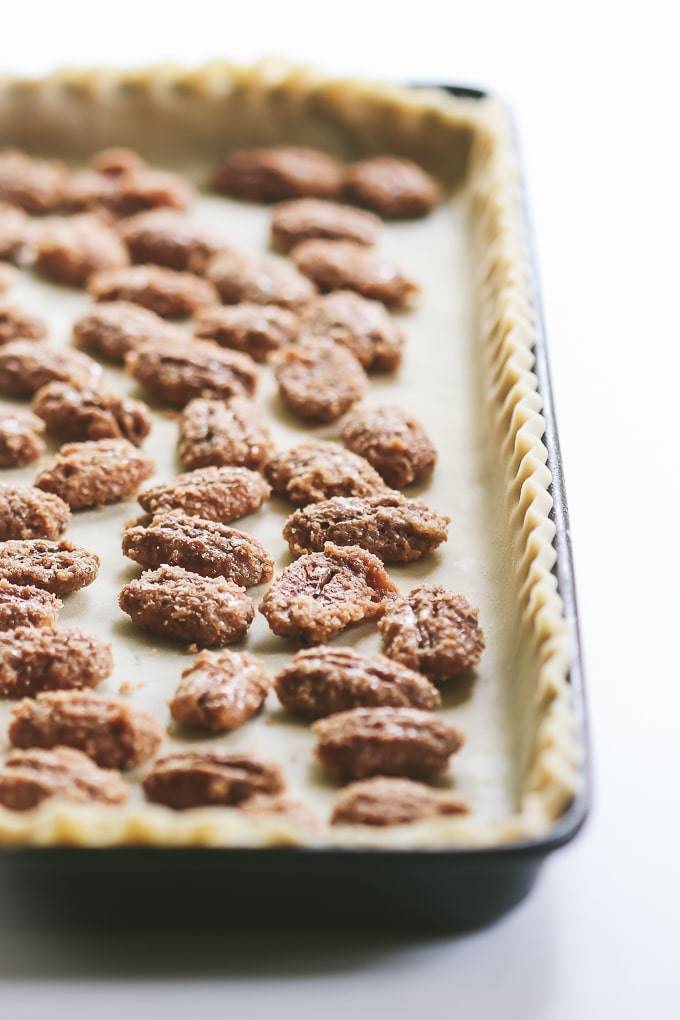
452,887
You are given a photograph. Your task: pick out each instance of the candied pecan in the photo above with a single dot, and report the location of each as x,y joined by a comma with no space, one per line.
175,603
386,741
395,188
324,680
21,439
60,567
96,472
188,779
278,172
385,801
169,238
258,279
343,265
26,512
319,381
111,329
263,805
36,659
76,414
70,250
392,527
26,365
214,493
13,231
201,546
255,329
303,218
220,691
28,778
434,631
170,294
116,160
18,324
322,593
316,470
128,192
176,373
215,434
392,441
114,734
36,185
22,605
364,327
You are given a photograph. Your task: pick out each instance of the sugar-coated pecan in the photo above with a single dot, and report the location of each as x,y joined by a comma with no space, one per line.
126,192
28,778
220,691
96,472
303,218
203,547
344,265
324,680
254,329
22,605
320,594
26,512
175,603
394,442
189,779
215,493
319,381
279,172
171,294
386,742
395,188
176,373
34,659
115,734
21,438
434,631
76,414
365,327
317,470
69,250
215,434
258,279
169,238
26,365
111,329
116,160
13,231
36,185
386,801
16,323
59,567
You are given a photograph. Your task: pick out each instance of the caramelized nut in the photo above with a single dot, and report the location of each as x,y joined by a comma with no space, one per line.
304,218
168,238
384,801
316,470
69,251
34,659
220,691
177,373
170,294
21,439
58,567
27,778
278,172
26,365
96,473
393,442
395,188
254,329
343,265
111,329
36,185
319,381
190,779
215,434
78,415
258,279
216,494
364,327
22,605
26,512
18,324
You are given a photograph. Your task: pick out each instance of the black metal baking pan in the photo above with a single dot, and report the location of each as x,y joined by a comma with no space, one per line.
449,889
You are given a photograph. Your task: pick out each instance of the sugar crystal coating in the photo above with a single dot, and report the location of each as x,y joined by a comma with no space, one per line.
96,473
317,470
220,691
214,493
189,779
26,512
394,442
34,659
215,434
319,381
78,415
28,778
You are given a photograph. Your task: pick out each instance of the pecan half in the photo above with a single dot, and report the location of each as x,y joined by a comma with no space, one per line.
319,381
343,265
215,434
96,473
170,294
26,365
253,329
23,605
220,691
34,659
27,778
174,374
78,415
26,512
113,328
384,801
303,218
214,493
395,188
258,279
317,470
364,327
57,567
393,442
278,172
191,779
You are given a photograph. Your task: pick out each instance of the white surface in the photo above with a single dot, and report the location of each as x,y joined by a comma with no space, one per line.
595,92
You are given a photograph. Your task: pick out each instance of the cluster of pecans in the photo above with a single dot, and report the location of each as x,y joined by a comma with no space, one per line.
322,320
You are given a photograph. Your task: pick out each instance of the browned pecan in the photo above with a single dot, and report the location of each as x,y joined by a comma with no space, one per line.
22,605
114,734
395,528
386,741
169,238
36,659
111,329
175,603
18,324
344,265
319,595
258,279
76,414
190,779
13,231
177,373
27,778
116,160
60,567
214,493
254,329
36,185
394,442
395,188
21,439
386,801
126,192
170,294
26,512
319,381
69,250
365,327
220,691
434,631
203,547
26,365
316,470
302,218
96,473
278,172
324,680
215,434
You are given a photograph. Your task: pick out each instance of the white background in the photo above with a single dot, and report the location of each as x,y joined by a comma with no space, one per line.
595,88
